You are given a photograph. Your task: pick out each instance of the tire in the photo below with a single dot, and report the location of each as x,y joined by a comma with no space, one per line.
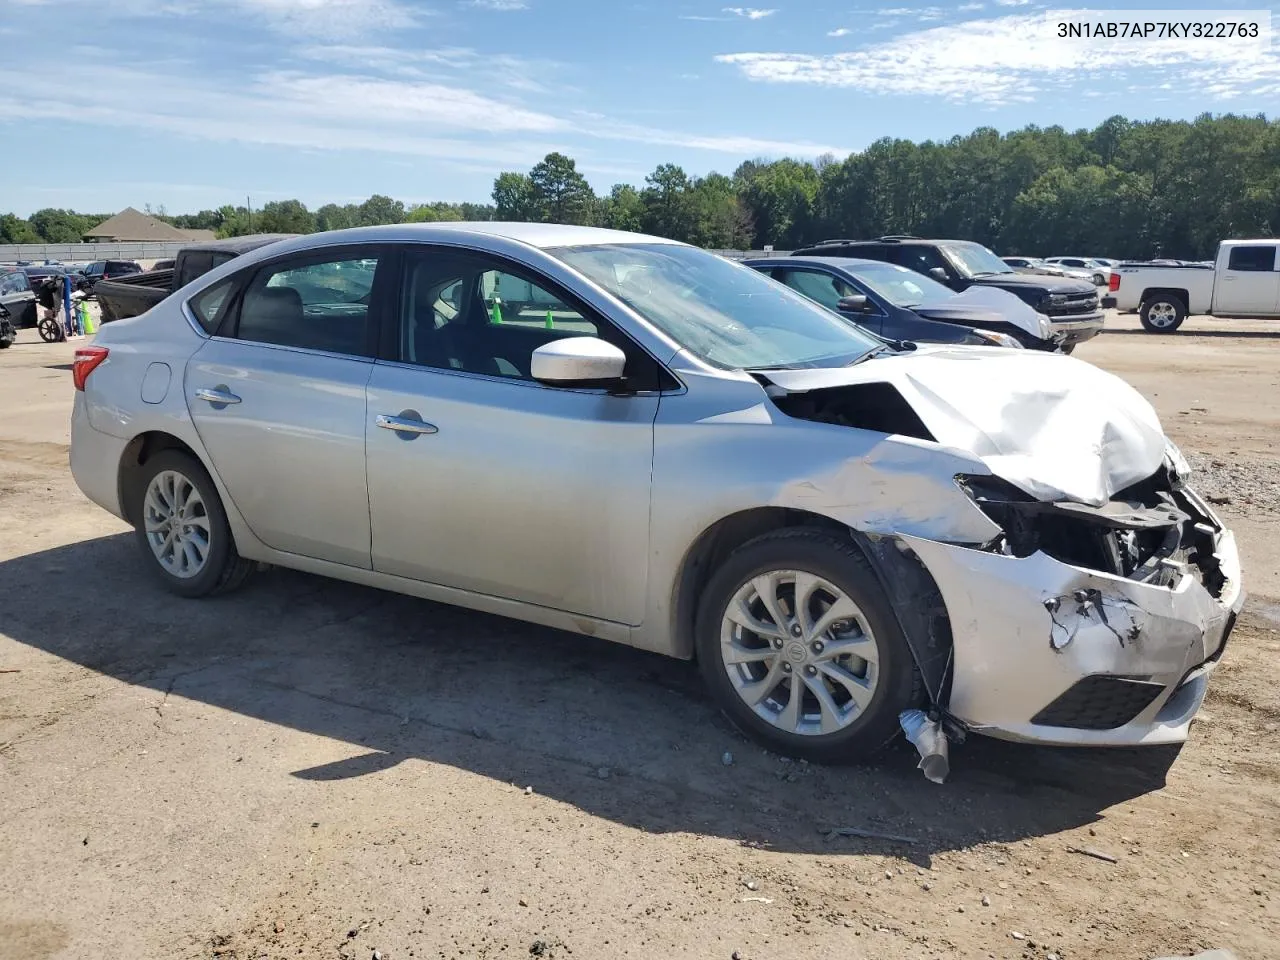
51,330
1068,350
222,568
1162,314
1099,280
837,563
5,344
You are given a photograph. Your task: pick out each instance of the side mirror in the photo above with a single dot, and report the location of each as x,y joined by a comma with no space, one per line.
578,362
855,303
938,274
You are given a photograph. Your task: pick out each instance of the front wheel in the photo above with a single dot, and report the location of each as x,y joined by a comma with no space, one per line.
800,647
1099,280
1163,314
182,528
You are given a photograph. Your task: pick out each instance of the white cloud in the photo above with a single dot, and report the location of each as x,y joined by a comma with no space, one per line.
1012,3
970,7
1000,61
920,13
839,32
499,4
751,13
493,69
327,111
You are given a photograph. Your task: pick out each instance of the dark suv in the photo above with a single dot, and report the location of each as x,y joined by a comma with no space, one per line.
1071,305
109,270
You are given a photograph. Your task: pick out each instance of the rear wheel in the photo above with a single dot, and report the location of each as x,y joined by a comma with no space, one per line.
799,645
1163,314
182,528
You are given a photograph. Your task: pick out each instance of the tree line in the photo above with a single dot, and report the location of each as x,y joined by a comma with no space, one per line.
1123,189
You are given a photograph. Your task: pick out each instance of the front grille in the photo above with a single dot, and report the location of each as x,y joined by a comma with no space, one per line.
1099,703
1076,303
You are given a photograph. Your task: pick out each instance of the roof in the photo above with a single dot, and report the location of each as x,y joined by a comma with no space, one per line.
131,224
540,235
846,263
237,245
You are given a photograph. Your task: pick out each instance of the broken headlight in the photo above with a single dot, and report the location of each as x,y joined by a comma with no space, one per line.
1132,535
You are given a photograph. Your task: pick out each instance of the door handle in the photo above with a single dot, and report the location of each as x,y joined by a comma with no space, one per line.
218,396
403,424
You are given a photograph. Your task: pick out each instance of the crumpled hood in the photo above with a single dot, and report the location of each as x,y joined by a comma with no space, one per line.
985,305
1054,426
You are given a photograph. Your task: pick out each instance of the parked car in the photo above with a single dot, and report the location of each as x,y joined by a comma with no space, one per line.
164,264
110,270
1096,270
710,465
1041,268
900,304
128,296
1071,305
17,297
1244,281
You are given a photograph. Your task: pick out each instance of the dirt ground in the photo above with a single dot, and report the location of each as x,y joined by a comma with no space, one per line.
312,769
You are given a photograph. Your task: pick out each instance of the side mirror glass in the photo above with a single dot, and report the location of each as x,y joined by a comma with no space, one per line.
578,361
855,303
938,274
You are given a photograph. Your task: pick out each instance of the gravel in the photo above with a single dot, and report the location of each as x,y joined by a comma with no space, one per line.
1248,484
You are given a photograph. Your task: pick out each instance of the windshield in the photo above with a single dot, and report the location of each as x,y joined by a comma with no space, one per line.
726,314
973,260
900,286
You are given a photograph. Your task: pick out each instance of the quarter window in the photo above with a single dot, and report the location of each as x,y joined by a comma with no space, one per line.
317,306
1254,259
209,306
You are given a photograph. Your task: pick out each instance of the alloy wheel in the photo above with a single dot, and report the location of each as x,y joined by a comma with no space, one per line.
799,652
177,524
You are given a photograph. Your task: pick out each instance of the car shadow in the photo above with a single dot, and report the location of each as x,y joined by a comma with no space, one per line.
616,732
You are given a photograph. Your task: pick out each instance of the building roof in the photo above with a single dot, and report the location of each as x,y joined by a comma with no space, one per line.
131,224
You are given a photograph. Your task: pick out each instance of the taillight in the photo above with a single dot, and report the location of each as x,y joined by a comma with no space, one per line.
86,361
1114,283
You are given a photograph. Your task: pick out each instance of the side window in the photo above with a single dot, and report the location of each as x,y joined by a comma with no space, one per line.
462,313
15,282
316,306
209,306
825,289
921,259
1255,259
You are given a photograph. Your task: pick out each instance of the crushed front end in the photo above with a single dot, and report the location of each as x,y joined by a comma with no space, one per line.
1084,625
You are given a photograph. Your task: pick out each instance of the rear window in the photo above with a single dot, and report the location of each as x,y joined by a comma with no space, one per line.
1258,259
193,265
210,306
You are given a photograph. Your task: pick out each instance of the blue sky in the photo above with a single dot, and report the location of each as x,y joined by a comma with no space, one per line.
194,103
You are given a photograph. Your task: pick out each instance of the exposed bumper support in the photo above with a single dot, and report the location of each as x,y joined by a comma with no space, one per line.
1028,630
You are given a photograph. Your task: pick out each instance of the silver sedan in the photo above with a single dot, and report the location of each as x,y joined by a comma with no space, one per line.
636,439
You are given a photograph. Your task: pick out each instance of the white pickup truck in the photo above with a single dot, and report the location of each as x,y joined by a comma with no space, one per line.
1243,282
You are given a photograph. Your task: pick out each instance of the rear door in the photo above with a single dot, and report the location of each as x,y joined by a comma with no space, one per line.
18,298
277,396
1249,283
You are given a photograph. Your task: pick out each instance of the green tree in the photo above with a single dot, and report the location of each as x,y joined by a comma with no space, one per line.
379,210
334,217
668,206
623,209
513,197
559,193
421,213
284,216
61,226
13,229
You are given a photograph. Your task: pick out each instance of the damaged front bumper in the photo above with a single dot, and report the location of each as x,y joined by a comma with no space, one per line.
1050,652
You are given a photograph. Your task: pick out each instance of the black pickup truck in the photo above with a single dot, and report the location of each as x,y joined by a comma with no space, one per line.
1072,306
129,296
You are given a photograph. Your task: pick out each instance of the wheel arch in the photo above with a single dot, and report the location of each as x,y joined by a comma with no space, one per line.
1151,293
913,594
135,456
